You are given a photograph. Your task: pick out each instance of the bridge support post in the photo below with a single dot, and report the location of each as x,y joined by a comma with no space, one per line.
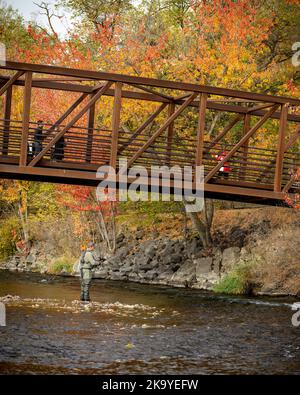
201,130
280,148
6,123
90,126
26,118
115,124
171,111
245,147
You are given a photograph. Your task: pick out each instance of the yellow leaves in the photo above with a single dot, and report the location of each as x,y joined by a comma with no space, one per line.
129,346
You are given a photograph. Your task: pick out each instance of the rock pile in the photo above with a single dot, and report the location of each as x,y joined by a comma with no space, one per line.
162,261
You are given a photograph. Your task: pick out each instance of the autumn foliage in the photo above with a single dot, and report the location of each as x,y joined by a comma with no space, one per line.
293,199
236,44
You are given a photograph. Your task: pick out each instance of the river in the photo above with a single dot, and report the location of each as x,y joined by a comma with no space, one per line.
139,329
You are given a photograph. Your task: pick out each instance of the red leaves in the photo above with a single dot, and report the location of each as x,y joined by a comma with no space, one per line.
80,198
291,86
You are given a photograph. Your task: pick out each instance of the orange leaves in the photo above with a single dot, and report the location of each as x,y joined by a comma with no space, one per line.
12,191
78,198
51,50
293,200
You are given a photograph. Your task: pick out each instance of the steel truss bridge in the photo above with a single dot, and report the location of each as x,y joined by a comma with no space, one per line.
256,174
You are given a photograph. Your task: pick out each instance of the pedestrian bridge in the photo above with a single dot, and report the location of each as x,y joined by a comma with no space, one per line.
256,133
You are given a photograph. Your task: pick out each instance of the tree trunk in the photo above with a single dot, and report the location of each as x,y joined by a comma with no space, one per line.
23,215
203,224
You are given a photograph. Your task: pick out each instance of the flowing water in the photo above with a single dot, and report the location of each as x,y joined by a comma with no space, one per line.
135,329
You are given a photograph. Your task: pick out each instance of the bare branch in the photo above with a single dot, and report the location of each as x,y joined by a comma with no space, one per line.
46,10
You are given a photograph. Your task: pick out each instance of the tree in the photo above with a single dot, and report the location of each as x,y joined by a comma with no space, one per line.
25,199
177,11
49,14
12,29
285,16
202,222
83,200
98,13
236,44
15,193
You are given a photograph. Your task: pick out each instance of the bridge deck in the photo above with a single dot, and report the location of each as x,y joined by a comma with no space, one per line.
256,173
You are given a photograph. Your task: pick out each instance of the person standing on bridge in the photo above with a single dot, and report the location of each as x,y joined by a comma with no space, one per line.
59,147
38,138
225,169
87,261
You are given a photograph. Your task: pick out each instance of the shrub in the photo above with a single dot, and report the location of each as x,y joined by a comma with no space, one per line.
62,264
236,282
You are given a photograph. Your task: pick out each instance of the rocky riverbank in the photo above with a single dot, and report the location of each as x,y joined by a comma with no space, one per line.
160,261
253,258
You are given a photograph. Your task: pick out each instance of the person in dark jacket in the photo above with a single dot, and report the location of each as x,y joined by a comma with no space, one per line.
38,138
59,148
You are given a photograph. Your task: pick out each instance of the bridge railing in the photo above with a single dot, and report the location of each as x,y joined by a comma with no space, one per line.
161,138
80,149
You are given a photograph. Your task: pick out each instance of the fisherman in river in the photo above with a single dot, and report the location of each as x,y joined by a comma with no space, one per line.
87,261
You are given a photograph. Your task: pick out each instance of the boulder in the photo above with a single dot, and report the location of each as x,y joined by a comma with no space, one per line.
133,277
150,275
176,258
113,262
122,253
166,260
100,274
150,251
203,266
164,276
126,269
217,261
206,281
185,275
154,264
117,276
167,249
139,234
231,256
142,262
237,236
144,268
172,259
194,247
178,247
245,253
30,259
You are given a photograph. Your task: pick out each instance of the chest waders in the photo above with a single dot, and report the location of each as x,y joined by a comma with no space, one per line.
85,279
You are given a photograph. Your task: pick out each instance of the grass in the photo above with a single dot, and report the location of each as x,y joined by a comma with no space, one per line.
236,282
61,265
